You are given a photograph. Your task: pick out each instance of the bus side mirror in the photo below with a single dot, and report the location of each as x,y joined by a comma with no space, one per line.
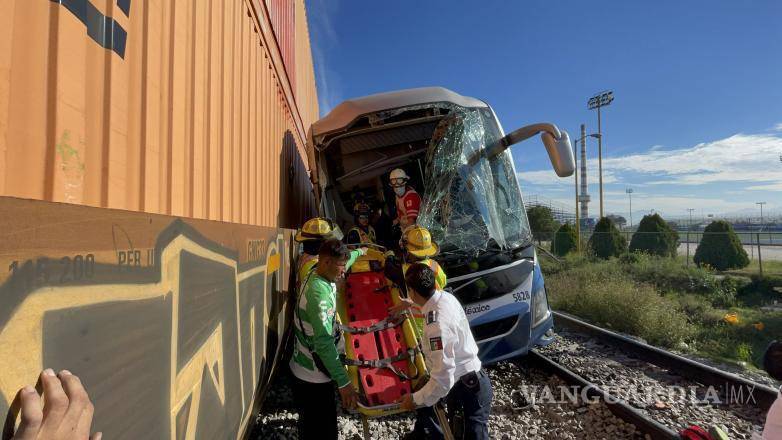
560,153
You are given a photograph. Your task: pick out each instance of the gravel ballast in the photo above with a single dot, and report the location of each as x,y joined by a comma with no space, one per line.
565,420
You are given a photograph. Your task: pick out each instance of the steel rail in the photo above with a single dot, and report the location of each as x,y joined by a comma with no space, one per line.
762,395
618,407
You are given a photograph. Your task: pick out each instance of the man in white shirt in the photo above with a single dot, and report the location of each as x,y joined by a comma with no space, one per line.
772,363
452,359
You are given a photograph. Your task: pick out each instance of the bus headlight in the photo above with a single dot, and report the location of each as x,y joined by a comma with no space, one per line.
540,310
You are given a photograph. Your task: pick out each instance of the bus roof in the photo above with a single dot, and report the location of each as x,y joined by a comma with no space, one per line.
347,111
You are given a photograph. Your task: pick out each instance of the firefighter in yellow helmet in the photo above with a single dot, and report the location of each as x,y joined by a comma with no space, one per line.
314,232
418,247
362,232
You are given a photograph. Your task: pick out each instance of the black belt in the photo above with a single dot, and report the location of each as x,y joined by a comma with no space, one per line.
471,379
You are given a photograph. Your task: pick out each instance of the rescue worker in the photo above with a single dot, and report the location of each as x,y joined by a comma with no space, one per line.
362,232
408,202
417,247
382,224
311,236
452,359
315,363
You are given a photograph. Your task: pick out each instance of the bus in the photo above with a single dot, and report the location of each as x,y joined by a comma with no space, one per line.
457,156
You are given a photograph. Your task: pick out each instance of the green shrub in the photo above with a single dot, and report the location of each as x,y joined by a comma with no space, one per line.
670,275
654,236
541,222
720,248
565,240
607,298
606,241
760,291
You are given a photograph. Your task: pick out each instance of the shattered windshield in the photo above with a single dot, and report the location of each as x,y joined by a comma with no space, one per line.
470,206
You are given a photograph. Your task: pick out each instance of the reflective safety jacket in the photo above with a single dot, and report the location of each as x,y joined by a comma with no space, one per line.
440,279
407,207
303,267
315,356
357,235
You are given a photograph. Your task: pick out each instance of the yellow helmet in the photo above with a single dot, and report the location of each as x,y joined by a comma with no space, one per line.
317,228
418,241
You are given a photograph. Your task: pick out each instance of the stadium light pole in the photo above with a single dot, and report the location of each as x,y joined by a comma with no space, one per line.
598,101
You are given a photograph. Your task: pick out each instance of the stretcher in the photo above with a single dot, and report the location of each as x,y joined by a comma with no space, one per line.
382,352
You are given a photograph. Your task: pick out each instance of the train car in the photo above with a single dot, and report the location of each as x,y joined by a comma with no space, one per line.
152,169
456,155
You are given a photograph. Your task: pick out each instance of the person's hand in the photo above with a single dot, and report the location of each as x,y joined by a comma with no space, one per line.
348,396
404,305
406,402
67,414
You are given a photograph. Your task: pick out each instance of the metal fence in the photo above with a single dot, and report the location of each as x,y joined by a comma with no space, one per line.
764,249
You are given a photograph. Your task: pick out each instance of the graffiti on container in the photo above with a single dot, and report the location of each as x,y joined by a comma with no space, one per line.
181,347
72,168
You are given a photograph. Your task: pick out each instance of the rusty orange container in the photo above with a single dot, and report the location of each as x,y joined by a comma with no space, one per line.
149,119
195,109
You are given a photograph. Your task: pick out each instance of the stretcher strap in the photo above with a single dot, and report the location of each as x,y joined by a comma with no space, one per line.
389,322
387,363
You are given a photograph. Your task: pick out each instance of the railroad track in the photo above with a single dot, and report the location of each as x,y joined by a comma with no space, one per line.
595,380
705,374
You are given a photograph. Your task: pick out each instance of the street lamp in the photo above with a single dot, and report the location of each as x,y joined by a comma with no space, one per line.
629,192
602,99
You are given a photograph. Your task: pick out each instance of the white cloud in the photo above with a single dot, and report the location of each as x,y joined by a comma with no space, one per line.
778,127
740,157
767,187
548,177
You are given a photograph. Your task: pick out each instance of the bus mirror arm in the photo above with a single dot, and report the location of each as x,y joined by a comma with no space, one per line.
557,145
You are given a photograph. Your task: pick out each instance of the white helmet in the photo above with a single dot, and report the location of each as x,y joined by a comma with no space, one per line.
398,177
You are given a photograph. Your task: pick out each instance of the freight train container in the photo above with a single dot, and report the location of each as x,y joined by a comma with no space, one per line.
151,164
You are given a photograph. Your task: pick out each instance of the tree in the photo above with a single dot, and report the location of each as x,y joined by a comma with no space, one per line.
654,236
606,241
618,220
721,248
542,222
565,240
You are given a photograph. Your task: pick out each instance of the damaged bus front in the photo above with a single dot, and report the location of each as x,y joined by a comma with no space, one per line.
456,155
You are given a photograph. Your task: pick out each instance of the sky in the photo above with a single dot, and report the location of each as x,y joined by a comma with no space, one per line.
697,117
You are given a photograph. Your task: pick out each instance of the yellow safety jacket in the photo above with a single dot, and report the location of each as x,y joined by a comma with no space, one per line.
440,280
365,237
304,266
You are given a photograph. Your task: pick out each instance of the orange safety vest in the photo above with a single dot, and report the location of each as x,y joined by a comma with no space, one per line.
407,207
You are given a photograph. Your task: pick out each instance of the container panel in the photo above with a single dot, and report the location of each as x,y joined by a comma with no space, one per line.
182,108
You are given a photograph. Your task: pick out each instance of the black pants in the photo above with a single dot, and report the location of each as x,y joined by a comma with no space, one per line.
317,409
474,403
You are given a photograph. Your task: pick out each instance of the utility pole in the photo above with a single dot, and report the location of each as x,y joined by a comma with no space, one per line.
602,99
689,226
575,179
761,222
584,198
629,192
